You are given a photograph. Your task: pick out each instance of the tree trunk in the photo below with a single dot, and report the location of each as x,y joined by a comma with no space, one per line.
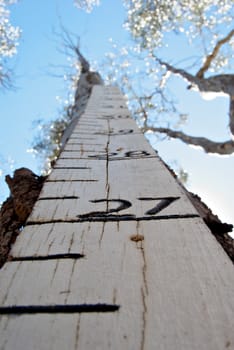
114,255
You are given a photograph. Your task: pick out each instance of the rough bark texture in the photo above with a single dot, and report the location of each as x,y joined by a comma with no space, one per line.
217,227
24,187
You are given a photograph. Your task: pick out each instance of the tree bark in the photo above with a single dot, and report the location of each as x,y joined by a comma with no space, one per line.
24,187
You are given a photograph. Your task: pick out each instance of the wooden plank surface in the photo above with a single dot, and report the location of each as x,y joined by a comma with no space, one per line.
114,256
141,183
148,279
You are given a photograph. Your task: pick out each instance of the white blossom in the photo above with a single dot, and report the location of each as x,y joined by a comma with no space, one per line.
9,36
86,5
200,21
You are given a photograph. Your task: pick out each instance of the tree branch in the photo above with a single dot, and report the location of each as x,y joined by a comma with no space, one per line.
189,77
211,57
85,66
231,114
5,79
208,146
85,83
222,83
217,83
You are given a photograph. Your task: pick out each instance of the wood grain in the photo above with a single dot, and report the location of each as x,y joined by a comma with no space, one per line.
113,227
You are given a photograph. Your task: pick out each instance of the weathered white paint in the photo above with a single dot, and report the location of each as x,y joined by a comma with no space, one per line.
171,279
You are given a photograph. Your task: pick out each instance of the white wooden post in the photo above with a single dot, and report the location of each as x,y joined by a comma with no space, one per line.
114,255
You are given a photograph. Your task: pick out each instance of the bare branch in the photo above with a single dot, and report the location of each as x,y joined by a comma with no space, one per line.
231,114
69,43
211,57
217,83
208,146
6,79
222,83
189,77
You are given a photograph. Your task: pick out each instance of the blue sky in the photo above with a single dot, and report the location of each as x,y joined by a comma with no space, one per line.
36,90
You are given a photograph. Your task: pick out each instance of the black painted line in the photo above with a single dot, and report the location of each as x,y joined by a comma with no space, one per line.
72,167
118,158
82,150
48,257
82,138
131,158
84,133
114,218
87,127
110,159
90,132
66,180
115,117
53,198
89,124
55,309
158,198
85,144
78,158
119,134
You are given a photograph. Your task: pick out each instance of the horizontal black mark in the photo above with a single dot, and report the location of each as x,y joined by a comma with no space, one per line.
114,117
52,309
86,127
52,198
113,218
85,144
81,150
79,158
116,158
81,138
133,218
48,257
83,133
79,180
72,167
88,124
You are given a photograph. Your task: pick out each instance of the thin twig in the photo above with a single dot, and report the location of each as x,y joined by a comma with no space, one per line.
211,57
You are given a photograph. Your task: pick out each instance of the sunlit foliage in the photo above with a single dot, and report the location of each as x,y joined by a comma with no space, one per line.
141,80
143,72
203,29
86,5
9,36
46,144
201,22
